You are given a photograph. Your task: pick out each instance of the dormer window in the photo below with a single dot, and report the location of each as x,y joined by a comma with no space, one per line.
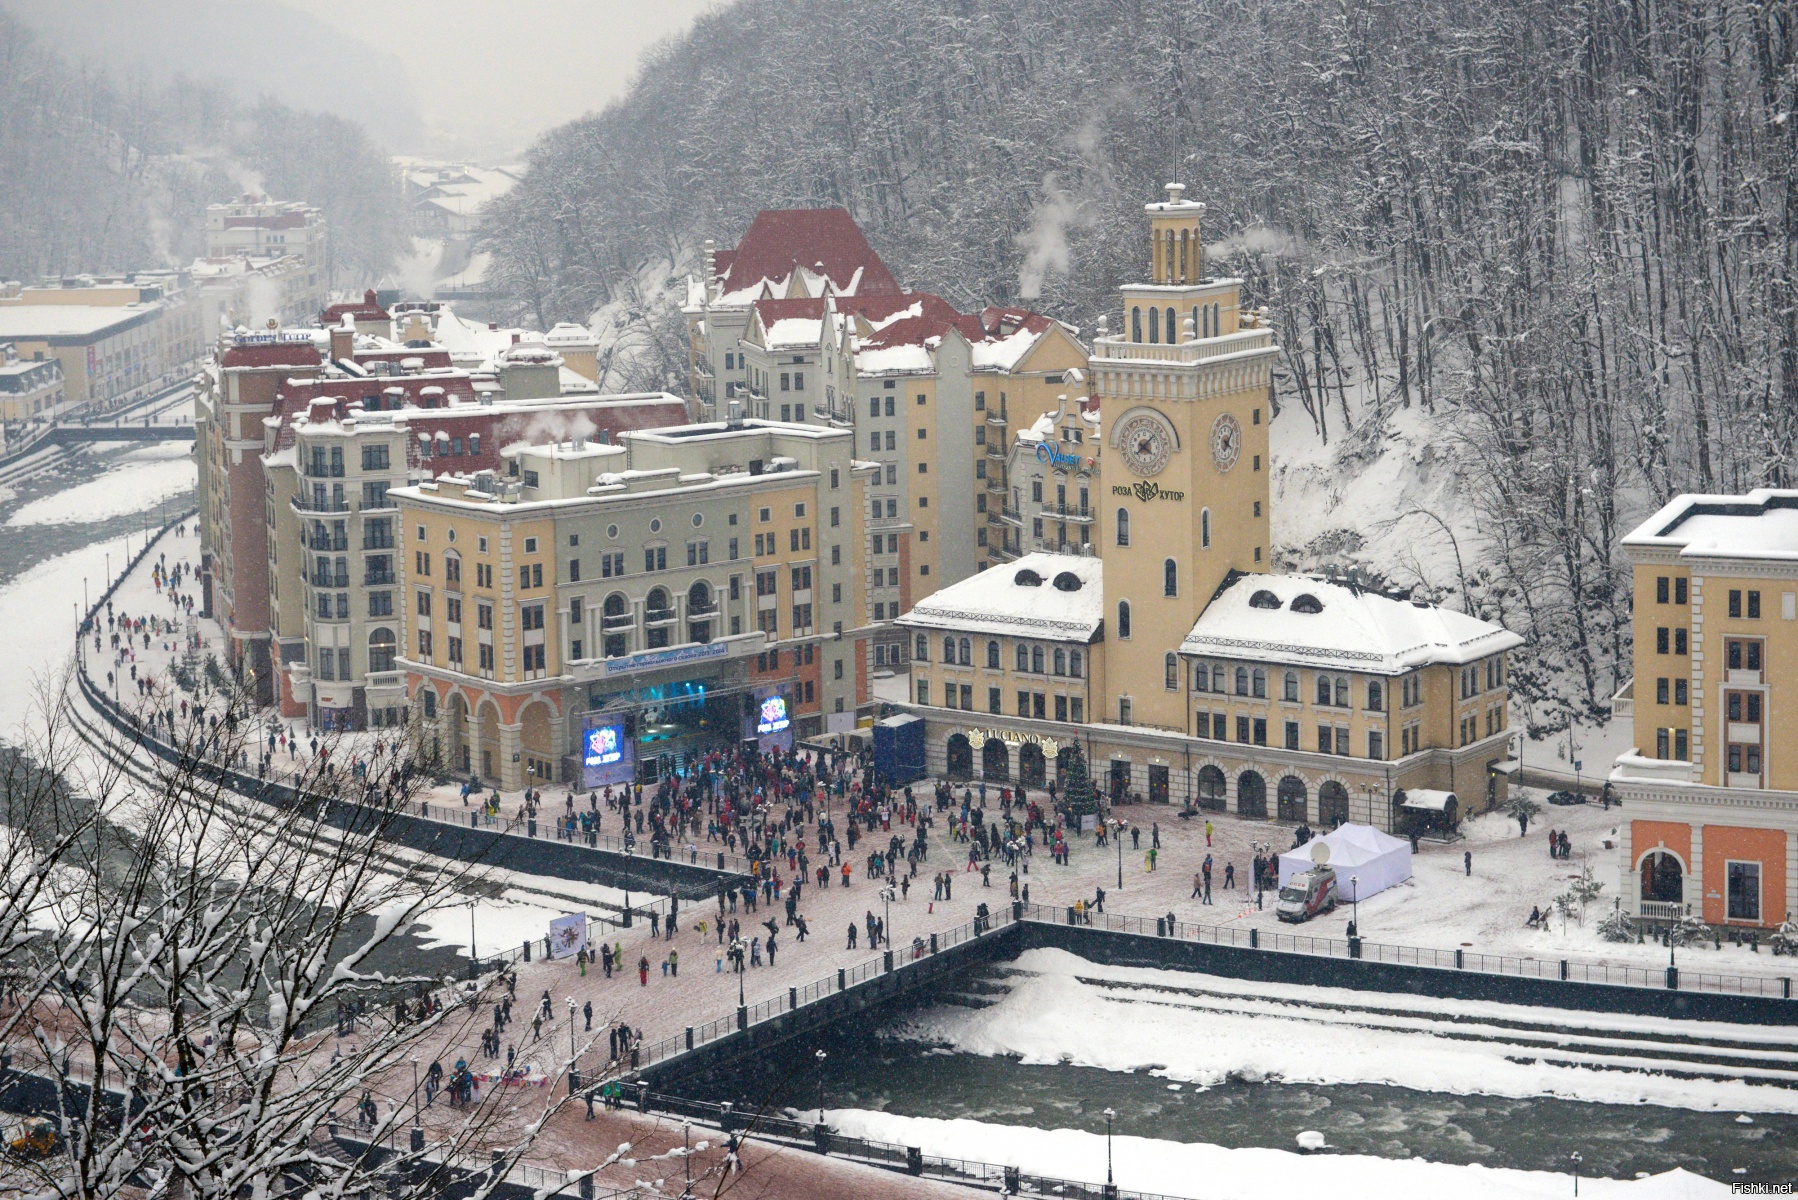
1305,602
1266,599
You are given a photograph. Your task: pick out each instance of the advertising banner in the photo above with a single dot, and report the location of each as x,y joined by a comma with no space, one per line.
607,755
568,935
773,727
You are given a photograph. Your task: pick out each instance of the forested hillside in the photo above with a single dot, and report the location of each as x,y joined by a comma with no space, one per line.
1559,233
104,173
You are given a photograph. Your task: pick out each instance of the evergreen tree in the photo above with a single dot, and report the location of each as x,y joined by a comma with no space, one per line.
1079,798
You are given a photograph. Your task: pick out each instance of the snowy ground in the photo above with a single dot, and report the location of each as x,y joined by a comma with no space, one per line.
143,479
1202,1029
1217,1173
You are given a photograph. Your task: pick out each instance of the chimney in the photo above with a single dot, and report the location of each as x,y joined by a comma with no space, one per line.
343,340
1175,191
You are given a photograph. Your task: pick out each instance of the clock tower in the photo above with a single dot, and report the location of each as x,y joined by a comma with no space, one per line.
1183,494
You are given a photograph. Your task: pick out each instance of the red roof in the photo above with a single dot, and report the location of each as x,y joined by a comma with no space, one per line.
271,354
826,241
368,310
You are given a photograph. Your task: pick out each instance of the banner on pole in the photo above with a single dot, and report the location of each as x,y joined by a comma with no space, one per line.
568,935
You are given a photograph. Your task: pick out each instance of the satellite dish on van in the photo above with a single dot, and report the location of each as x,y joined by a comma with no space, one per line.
1320,853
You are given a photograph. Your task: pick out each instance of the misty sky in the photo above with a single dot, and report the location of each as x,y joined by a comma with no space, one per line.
450,78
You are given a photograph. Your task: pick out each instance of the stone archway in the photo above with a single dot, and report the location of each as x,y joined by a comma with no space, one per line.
995,761
1251,795
1663,877
960,754
1292,800
1214,788
536,739
1032,769
488,762
1332,804
458,748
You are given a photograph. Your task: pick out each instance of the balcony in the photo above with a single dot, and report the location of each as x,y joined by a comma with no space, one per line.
996,486
1067,512
305,504
997,418
380,579
702,610
382,543
1185,353
659,616
324,579
995,451
1011,516
618,621
1623,704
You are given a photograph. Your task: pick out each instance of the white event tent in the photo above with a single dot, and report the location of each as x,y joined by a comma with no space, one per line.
1378,859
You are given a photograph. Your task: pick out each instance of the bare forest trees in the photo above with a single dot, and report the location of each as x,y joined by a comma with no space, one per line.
100,174
178,959
1564,232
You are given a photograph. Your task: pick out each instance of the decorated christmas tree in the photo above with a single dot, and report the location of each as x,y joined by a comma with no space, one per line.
1079,799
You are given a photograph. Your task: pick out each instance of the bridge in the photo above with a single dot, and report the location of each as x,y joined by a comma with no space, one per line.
76,434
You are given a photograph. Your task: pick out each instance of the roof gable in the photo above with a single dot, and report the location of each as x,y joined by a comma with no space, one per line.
826,242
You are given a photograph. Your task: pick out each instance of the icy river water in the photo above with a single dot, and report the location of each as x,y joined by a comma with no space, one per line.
867,1070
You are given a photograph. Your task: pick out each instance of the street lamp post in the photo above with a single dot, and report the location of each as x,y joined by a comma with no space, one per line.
1111,1187
1117,835
686,1141
886,932
820,1056
474,956
1355,941
1576,1159
417,1114
628,844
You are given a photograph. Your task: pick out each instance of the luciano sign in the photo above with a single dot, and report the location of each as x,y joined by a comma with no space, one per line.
1146,490
1012,736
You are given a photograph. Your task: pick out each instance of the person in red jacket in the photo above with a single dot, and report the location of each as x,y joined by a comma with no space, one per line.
643,971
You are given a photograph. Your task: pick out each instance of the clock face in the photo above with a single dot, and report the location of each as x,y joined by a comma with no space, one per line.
1226,441
1145,445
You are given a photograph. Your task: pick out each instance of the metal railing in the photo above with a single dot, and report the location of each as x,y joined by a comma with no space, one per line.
1518,966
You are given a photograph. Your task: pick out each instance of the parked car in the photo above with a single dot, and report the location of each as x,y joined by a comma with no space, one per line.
1565,798
1306,895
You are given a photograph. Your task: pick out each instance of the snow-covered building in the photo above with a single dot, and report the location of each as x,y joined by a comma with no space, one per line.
803,322
1711,799
446,198
1220,684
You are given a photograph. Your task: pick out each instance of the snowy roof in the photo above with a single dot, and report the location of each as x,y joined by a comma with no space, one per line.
1763,524
901,331
823,243
1066,601
1339,627
69,320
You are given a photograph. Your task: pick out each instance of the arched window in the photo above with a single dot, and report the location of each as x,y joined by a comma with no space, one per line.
1036,660
921,652
1171,339
1170,670
1342,692
1376,696
1216,327
1323,689
1170,578
1201,677
992,655
1123,618
1023,657
1205,528
1169,264
1205,318
1135,324
1217,678
1061,661
615,604
1260,684
380,650
1183,278
967,657
1154,329
1123,527
1292,686
1074,664
1195,321
1242,681
949,651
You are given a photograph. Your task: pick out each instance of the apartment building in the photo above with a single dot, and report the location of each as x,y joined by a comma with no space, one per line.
266,260
29,388
1711,799
610,607
299,435
1274,696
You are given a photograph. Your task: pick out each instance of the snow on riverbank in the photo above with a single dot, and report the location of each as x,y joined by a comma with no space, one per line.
1074,1011
41,608
136,485
1218,1173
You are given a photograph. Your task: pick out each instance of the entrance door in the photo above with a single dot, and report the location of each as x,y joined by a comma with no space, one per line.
1032,770
1157,784
1120,780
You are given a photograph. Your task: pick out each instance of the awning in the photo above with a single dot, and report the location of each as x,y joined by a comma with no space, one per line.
1433,801
1507,766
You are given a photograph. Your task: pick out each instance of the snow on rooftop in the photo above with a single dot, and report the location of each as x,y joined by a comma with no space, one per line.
894,360
1762,524
1066,601
1332,625
1004,353
794,332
